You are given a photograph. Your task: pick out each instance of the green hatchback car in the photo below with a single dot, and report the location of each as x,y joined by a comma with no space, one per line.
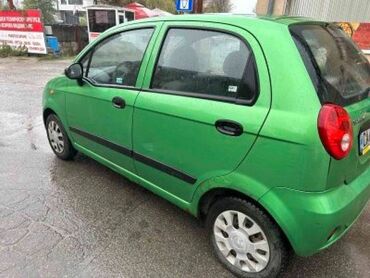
258,126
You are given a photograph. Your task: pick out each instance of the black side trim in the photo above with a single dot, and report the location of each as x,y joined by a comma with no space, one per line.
139,157
164,168
103,142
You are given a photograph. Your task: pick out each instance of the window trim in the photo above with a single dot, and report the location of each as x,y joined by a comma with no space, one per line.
235,100
92,50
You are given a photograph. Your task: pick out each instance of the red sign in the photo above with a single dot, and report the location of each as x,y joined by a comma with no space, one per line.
362,36
23,27
360,33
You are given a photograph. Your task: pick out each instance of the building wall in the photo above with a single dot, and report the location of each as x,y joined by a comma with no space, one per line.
70,5
279,7
60,5
327,10
331,10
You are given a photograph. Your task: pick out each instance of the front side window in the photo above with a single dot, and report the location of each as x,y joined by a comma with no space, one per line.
205,63
117,59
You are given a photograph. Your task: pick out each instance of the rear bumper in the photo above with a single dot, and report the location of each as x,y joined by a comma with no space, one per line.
314,221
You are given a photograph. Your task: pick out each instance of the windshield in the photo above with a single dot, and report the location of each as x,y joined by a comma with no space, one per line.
338,69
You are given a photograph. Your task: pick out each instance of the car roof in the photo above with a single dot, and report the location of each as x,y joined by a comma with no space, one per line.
235,19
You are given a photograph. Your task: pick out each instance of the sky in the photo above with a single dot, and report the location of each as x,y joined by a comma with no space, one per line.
243,6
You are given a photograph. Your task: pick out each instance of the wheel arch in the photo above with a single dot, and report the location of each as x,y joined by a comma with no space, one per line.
217,193
52,109
47,111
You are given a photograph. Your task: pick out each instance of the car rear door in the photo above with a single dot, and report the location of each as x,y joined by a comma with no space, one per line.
99,111
205,97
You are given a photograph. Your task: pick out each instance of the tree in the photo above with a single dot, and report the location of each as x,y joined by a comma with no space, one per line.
166,5
217,6
46,7
11,5
3,6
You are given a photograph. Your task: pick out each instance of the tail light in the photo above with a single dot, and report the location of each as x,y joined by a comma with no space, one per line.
335,130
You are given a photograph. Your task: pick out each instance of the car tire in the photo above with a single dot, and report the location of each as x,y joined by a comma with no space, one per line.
58,138
237,246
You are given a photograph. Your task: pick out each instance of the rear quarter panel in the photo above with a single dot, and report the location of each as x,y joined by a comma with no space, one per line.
288,151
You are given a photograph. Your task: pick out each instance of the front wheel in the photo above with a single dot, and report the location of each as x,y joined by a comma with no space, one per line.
245,239
58,139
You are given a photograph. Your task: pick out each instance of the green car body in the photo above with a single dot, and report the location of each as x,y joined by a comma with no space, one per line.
168,143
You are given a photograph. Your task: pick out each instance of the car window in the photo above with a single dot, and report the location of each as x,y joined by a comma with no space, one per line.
117,59
338,69
205,63
85,62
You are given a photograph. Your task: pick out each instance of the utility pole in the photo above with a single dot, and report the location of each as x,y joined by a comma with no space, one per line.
198,7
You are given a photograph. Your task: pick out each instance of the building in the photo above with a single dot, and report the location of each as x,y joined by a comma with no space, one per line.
71,11
353,16
328,10
67,11
17,3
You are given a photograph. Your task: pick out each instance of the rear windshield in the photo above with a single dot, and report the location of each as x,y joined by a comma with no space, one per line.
339,70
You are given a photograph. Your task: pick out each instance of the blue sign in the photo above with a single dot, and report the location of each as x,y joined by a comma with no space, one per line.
184,5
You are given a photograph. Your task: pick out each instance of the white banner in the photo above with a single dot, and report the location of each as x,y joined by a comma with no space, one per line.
34,41
23,28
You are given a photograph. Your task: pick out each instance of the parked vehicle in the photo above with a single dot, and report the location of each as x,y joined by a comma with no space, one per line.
103,17
260,127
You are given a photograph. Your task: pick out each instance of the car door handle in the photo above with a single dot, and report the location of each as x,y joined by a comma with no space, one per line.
118,102
228,127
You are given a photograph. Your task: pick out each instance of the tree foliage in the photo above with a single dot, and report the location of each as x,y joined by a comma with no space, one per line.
217,6
46,7
3,6
166,5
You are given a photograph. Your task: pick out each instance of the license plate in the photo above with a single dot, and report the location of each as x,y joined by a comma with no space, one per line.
364,141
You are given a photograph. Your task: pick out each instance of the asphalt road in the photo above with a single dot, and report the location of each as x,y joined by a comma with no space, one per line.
81,219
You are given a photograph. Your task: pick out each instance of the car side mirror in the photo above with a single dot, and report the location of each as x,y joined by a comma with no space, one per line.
74,71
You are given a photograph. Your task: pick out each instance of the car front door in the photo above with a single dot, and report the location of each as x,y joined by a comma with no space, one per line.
204,100
99,111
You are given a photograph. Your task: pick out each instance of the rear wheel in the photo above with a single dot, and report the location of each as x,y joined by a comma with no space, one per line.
245,239
58,139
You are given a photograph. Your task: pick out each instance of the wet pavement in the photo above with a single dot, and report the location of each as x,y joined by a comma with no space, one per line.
81,219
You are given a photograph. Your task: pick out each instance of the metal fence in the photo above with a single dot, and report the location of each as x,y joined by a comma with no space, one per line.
331,10
70,33
72,38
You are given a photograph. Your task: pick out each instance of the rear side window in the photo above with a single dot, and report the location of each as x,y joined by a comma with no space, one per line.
208,64
338,69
